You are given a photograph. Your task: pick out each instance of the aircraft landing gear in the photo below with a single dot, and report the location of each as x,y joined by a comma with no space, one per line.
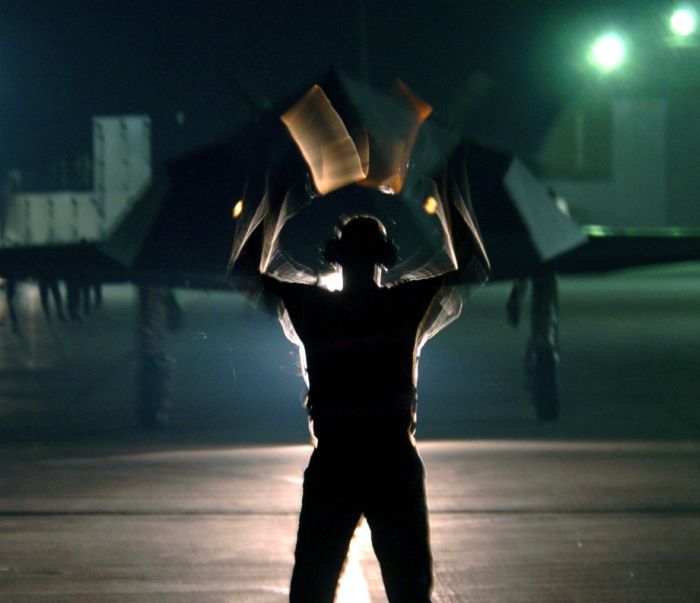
155,368
541,359
541,356
541,380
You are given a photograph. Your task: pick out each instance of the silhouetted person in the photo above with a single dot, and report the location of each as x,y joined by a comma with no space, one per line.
49,286
361,351
10,291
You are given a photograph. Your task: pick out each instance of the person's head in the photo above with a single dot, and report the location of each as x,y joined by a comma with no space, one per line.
361,243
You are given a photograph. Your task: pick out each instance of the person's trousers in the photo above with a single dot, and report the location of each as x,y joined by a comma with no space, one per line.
387,485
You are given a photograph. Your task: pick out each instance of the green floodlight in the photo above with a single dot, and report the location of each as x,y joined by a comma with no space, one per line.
684,21
608,51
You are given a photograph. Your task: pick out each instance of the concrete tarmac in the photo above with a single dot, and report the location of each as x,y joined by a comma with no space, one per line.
629,356
511,522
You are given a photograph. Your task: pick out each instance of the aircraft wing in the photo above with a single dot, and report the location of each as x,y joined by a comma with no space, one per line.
180,232
522,227
525,232
608,249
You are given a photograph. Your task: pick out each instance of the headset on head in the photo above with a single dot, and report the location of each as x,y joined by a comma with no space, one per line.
358,237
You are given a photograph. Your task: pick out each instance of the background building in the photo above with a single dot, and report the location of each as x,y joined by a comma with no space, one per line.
121,170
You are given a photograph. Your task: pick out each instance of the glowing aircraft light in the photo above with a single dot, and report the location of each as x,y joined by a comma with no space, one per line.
608,51
684,21
387,189
237,209
430,206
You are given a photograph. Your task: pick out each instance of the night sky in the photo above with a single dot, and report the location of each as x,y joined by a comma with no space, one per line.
502,67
